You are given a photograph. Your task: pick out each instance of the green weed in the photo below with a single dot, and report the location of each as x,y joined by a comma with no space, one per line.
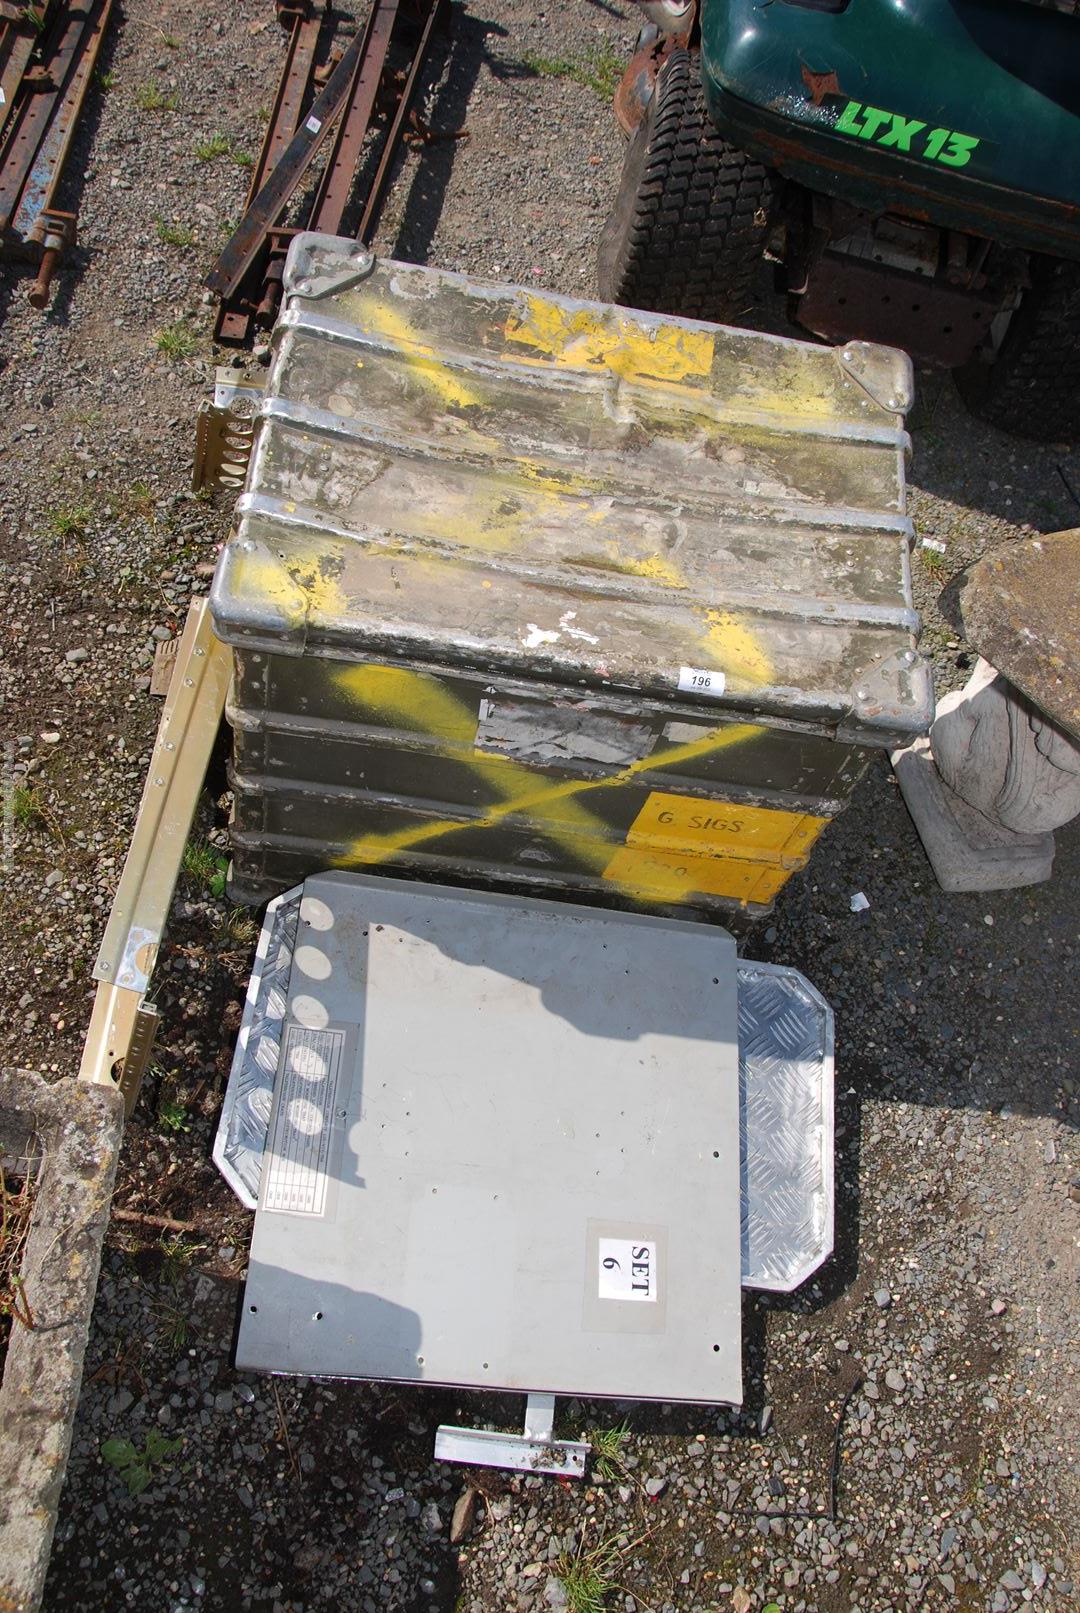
150,98
177,340
106,80
607,1444
173,234
136,1467
243,159
205,865
210,150
599,70
173,1116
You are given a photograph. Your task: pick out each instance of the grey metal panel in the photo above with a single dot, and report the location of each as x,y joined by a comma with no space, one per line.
476,1090
785,1104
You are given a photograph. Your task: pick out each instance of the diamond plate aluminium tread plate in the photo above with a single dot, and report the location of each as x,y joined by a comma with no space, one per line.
786,1118
785,1104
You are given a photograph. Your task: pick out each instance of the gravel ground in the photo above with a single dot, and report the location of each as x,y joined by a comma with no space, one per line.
946,1322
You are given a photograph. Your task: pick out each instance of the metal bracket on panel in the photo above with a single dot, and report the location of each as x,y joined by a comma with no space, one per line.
883,372
534,1450
875,702
320,265
225,432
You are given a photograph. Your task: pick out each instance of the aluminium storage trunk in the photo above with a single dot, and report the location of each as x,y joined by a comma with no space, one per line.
526,591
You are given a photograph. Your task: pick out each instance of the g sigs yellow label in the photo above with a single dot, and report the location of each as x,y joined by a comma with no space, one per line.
724,829
678,845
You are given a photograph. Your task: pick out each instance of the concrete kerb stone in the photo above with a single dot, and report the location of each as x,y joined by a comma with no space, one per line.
77,1129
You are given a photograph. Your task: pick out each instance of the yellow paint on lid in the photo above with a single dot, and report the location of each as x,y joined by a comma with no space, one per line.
373,314
594,338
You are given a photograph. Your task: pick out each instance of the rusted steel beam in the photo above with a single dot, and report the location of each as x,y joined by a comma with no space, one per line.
437,12
335,185
296,89
19,34
375,98
266,209
336,182
38,137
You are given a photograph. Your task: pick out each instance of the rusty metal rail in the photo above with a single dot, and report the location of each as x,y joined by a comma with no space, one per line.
367,97
47,58
296,90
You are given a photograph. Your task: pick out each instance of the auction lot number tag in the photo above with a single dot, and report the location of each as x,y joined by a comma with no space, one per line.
627,1270
702,680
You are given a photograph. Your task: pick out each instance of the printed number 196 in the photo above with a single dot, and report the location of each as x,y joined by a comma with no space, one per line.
701,680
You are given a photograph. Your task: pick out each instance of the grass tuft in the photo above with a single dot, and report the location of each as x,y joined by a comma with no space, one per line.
934,564
588,1574
151,98
210,150
26,809
599,70
173,234
71,520
237,927
176,341
607,1444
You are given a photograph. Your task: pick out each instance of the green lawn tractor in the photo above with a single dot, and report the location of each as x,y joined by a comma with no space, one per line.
911,167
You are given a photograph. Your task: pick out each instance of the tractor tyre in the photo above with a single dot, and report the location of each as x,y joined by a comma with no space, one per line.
1031,385
692,212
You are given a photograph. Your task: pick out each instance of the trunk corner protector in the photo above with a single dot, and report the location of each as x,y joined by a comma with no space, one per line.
884,373
320,265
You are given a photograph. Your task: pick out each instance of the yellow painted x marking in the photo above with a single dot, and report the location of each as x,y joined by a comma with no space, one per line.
419,702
